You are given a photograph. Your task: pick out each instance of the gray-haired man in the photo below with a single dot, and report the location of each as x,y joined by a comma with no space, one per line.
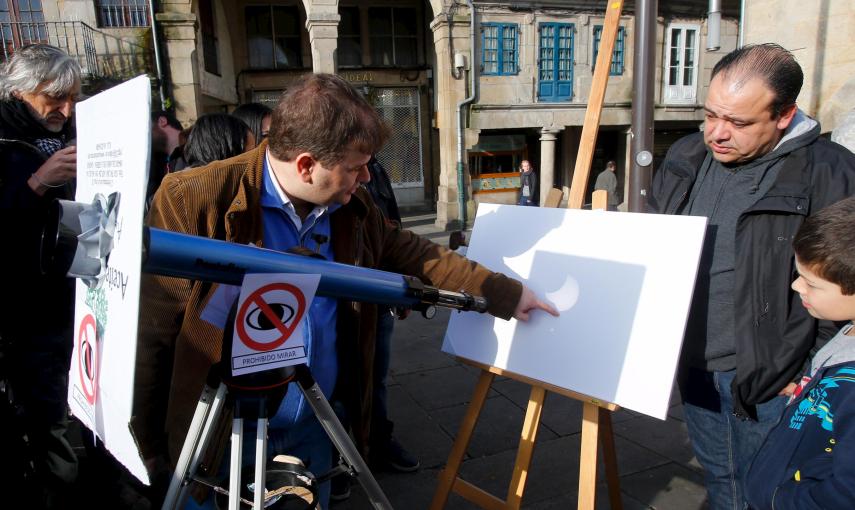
38,88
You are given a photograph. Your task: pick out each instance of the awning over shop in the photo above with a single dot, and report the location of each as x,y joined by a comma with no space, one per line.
499,143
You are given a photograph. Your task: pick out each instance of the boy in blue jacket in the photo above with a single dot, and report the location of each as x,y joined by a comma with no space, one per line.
808,460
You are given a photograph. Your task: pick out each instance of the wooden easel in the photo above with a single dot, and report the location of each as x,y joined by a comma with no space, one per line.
596,415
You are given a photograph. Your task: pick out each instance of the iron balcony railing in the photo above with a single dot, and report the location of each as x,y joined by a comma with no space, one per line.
99,54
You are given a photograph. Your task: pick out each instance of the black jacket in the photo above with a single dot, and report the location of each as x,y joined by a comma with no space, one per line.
32,303
774,333
381,190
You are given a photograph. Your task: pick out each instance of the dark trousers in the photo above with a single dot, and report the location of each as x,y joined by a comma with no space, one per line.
37,372
381,426
724,444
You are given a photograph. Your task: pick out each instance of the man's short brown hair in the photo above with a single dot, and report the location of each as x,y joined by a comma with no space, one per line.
825,244
324,116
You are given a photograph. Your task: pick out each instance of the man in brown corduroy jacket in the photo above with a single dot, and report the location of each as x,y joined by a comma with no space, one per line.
302,188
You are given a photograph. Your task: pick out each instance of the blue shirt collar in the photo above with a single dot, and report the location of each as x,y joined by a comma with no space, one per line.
274,197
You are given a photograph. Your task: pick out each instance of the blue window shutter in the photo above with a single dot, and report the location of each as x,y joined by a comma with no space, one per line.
616,68
499,49
555,62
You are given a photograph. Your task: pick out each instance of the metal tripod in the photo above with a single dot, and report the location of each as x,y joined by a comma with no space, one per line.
210,407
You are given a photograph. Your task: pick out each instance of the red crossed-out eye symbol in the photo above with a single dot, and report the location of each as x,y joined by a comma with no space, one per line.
269,316
87,358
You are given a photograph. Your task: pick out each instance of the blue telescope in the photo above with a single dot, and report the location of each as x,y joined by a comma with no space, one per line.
199,258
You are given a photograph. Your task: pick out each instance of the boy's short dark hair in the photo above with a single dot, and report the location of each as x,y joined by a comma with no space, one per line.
825,243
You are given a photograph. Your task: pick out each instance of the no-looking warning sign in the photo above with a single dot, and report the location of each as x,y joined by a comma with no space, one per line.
268,325
87,358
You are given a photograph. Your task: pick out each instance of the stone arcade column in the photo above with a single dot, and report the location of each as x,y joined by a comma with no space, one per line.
449,91
323,37
178,31
546,172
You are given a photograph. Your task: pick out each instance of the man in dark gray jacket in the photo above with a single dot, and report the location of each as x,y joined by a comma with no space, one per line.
757,171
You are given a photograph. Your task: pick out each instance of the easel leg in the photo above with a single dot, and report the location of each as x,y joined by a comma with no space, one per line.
526,448
449,474
588,457
607,439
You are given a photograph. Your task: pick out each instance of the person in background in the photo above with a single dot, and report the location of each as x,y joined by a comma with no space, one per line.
177,162
39,86
257,117
807,461
759,168
215,137
385,452
607,181
165,147
528,184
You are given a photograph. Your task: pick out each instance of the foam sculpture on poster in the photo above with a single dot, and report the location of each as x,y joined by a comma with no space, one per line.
113,138
622,282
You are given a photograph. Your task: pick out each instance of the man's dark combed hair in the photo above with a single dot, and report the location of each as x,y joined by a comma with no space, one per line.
771,63
825,244
214,137
169,116
325,116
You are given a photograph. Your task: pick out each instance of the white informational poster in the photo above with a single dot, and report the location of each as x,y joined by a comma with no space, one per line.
268,328
622,282
113,138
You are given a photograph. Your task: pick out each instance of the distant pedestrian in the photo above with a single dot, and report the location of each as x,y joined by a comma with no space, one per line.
528,184
607,181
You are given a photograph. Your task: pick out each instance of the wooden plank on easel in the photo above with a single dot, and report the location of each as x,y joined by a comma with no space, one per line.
528,436
579,186
534,382
607,442
553,198
600,200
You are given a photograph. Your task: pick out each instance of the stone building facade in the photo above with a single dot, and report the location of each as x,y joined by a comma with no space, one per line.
532,61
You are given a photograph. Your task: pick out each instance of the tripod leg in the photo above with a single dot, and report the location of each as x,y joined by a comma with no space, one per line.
207,411
260,464
235,465
337,434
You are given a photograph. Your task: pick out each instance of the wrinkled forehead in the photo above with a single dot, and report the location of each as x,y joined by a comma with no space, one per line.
739,93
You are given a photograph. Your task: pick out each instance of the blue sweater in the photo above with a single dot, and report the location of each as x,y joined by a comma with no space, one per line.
808,460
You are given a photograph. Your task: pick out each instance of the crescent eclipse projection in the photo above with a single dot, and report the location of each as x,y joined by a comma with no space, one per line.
566,296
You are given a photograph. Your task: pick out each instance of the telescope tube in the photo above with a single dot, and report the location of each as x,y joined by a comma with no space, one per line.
200,258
